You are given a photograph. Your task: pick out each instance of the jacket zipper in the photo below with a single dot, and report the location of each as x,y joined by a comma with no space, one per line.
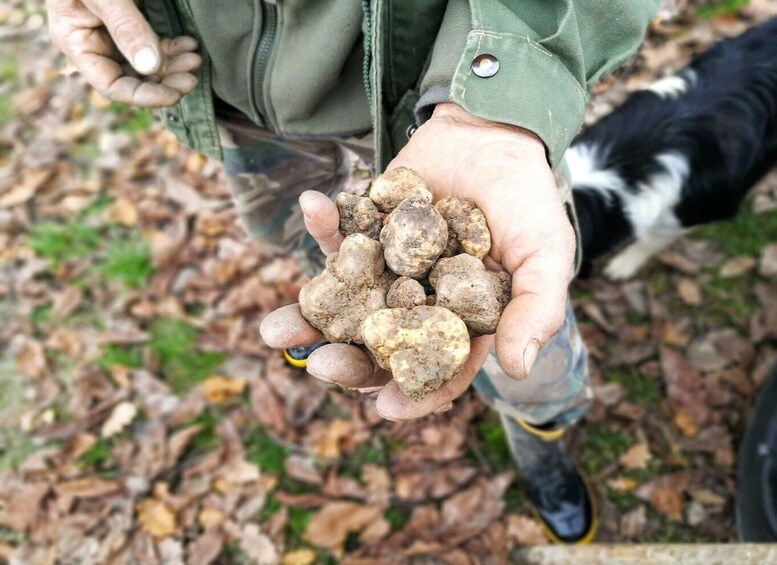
172,17
261,58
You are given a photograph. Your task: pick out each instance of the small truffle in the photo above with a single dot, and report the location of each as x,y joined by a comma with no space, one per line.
467,228
413,238
405,293
396,185
358,214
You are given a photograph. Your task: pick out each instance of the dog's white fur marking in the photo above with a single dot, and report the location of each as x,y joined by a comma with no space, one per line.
649,208
669,87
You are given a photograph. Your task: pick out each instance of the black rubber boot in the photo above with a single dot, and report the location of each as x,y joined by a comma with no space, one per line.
298,356
561,497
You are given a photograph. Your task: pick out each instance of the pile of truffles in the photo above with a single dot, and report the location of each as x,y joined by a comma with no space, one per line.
408,282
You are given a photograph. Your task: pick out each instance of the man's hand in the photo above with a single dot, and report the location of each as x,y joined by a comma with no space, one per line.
114,47
504,170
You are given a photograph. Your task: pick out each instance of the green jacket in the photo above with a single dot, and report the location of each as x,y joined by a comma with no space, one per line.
339,67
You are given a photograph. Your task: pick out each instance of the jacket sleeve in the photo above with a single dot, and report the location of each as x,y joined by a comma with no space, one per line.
551,53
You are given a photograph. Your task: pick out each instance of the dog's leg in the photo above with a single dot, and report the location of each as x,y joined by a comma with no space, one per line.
627,262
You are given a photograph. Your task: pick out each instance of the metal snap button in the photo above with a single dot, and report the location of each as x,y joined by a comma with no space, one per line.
410,130
485,65
172,117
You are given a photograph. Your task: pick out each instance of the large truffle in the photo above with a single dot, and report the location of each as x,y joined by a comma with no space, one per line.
466,288
467,228
353,285
424,347
394,186
358,214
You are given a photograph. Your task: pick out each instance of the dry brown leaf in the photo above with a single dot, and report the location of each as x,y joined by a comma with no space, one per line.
336,432
89,487
303,469
737,266
221,390
523,530
122,416
210,518
123,211
684,386
636,457
257,546
299,557
205,549
32,181
685,422
633,523
30,358
331,525
66,302
689,291
666,494
156,518
622,484
767,266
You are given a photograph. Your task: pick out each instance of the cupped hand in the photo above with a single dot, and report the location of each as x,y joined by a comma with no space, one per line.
113,46
504,170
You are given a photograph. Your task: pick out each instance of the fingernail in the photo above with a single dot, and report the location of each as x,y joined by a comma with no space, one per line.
530,355
145,60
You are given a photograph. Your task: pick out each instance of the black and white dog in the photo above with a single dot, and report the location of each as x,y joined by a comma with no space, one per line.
683,152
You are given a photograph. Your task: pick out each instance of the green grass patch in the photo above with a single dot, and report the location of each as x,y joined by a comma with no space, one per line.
6,110
97,455
745,234
721,7
727,300
96,206
182,364
112,355
623,501
603,445
40,315
9,69
639,388
271,506
263,451
131,120
128,262
207,438
299,518
397,518
60,242
492,442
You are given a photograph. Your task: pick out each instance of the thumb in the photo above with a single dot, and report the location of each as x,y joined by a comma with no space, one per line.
534,314
131,33
322,220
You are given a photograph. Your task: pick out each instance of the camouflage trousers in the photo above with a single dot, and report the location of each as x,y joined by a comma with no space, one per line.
266,174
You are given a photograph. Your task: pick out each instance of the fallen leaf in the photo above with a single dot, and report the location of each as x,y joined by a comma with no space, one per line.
685,423
689,291
666,494
156,518
210,518
633,522
122,416
299,557
205,549
221,390
684,386
336,432
523,530
29,357
737,266
32,181
767,266
122,212
303,469
89,487
622,484
258,546
331,525
636,457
